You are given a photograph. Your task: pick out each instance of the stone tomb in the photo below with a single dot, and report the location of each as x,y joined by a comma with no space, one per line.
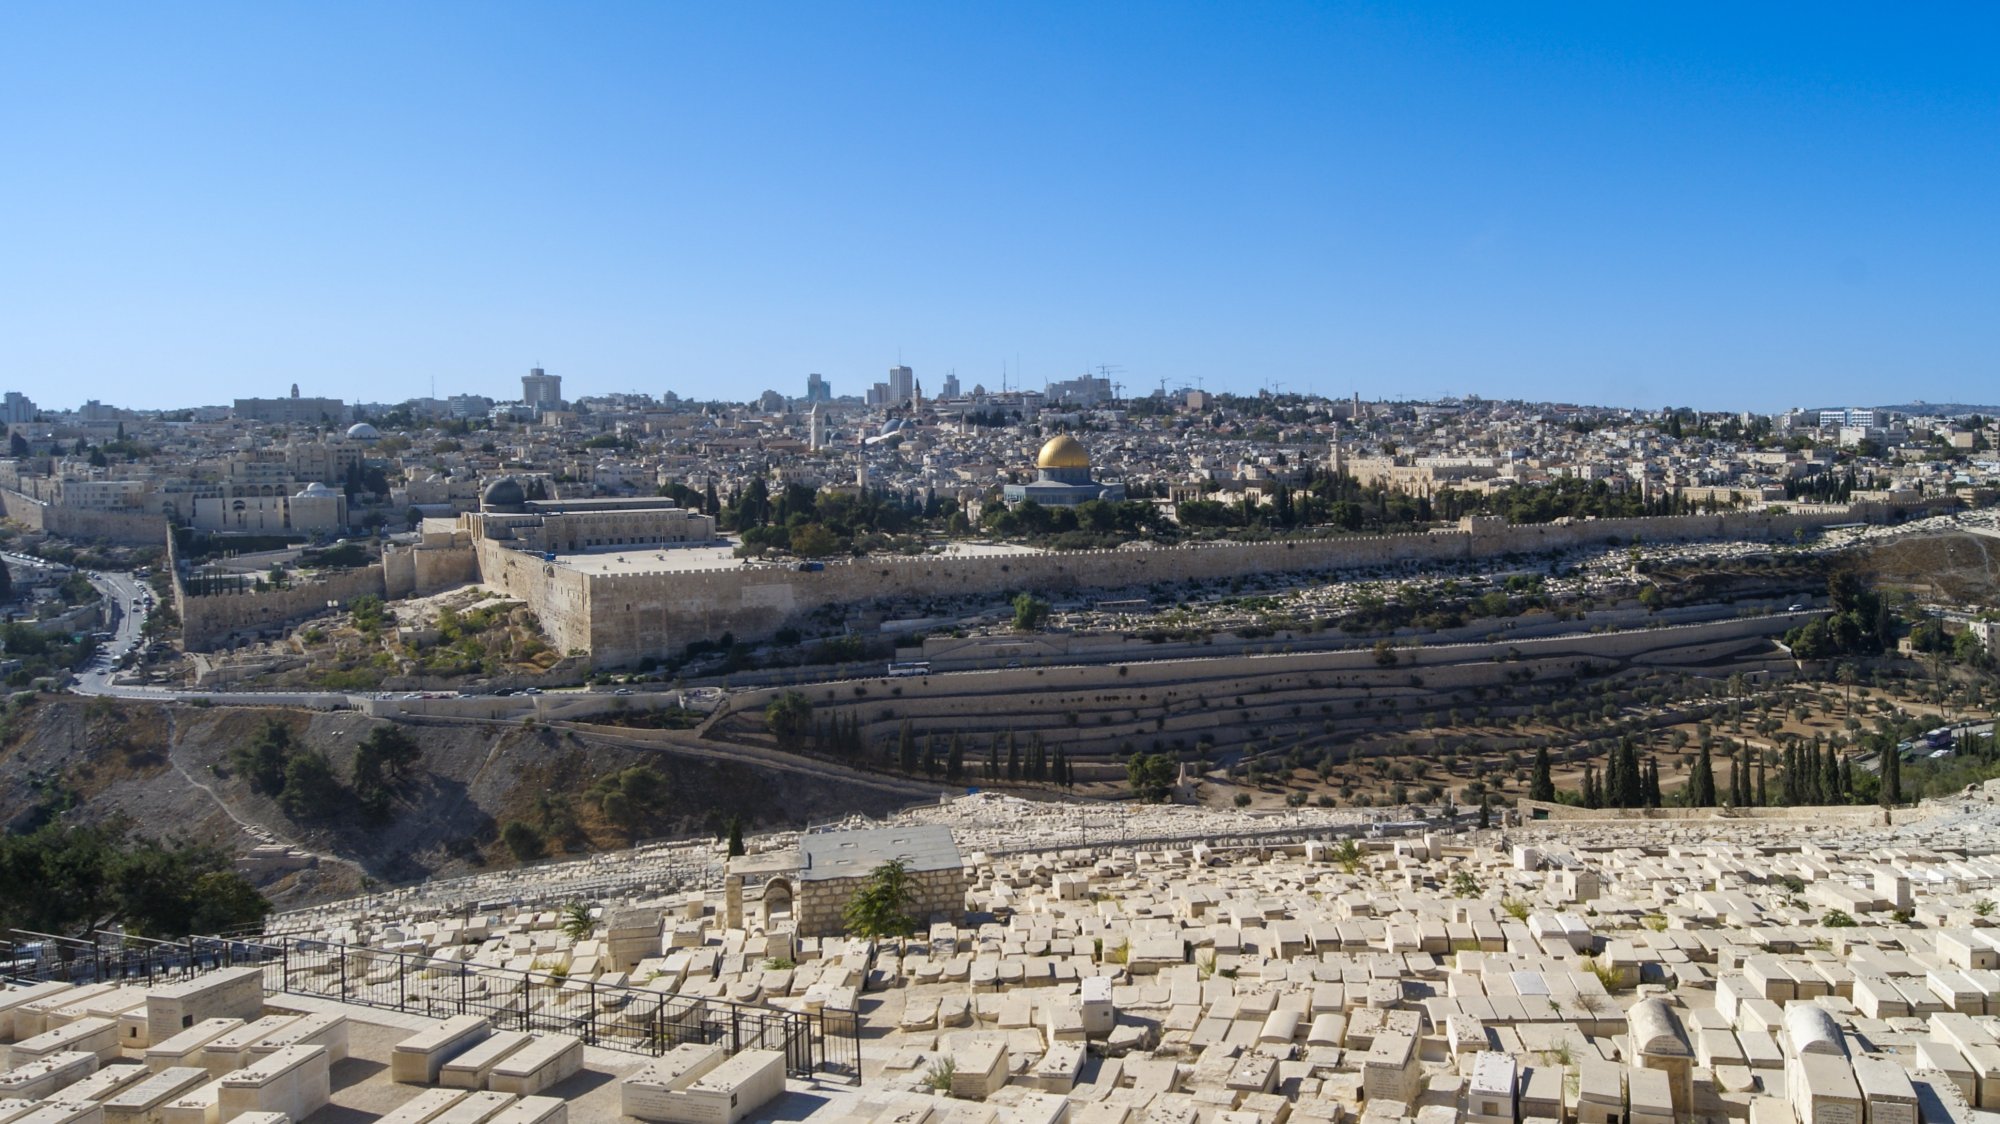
232,993
416,1060
834,865
184,1048
37,1079
547,1061
294,1081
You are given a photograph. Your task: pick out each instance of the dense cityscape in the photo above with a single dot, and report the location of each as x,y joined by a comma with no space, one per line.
1029,564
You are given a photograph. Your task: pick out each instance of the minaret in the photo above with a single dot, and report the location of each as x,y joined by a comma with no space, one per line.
816,429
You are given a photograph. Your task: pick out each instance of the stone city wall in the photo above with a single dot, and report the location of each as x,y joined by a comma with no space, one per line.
932,892
636,615
619,619
559,597
438,563
130,528
212,620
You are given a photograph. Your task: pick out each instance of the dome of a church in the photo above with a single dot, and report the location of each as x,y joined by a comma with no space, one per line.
362,431
1062,452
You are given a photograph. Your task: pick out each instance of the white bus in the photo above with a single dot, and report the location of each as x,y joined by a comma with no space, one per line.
910,667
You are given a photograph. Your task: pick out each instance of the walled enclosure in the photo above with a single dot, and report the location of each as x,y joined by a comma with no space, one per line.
618,619
129,528
818,908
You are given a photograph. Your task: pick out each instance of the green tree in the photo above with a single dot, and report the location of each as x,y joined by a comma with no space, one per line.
523,841
1029,612
1541,784
311,788
1151,777
790,718
1701,784
576,922
880,907
735,836
262,762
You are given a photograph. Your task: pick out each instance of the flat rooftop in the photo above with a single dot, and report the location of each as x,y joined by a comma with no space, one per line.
854,854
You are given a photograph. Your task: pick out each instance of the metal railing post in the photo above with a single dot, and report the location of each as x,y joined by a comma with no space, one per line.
342,952
590,1018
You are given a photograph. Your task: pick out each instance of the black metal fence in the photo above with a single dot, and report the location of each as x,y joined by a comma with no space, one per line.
615,1016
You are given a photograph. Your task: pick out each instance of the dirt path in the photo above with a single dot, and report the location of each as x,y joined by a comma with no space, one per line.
256,831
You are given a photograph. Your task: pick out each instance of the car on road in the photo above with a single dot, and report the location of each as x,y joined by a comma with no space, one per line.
1794,608
531,690
622,691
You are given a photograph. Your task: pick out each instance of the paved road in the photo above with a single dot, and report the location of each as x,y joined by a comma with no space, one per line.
127,594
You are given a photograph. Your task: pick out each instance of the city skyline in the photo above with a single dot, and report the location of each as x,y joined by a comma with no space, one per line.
1608,208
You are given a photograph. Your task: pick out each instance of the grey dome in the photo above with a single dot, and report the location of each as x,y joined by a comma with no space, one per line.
504,494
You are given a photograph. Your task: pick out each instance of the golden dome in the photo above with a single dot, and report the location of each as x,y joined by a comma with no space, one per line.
1062,452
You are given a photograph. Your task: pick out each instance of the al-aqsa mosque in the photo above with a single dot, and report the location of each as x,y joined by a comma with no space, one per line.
1062,478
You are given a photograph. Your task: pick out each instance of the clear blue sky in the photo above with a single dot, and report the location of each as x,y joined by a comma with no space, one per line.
1729,207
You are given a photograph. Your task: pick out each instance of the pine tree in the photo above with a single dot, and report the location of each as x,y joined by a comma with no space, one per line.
1542,785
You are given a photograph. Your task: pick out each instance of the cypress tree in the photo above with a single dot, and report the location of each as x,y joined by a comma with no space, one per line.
954,762
1847,780
993,759
1013,760
1632,782
906,747
1652,781
1892,775
1592,798
1701,786
1542,785
931,756
1763,794
1830,777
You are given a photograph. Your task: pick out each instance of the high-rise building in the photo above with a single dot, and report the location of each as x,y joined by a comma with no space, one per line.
950,387
818,389
17,407
541,391
902,385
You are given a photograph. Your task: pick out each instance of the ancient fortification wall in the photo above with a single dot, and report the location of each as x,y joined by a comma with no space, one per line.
636,615
438,563
559,597
213,620
619,619
131,528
